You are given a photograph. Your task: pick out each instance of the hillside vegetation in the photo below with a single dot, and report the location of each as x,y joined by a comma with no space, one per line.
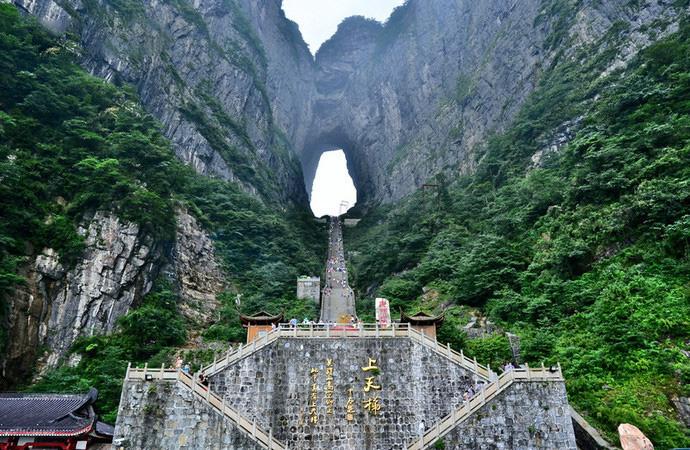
583,252
71,144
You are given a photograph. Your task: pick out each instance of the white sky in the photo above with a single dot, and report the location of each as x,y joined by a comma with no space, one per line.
318,19
332,185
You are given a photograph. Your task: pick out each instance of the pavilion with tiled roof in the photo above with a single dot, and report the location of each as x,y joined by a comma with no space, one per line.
260,323
423,322
60,421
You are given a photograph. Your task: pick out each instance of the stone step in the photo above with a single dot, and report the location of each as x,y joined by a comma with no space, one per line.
249,427
491,391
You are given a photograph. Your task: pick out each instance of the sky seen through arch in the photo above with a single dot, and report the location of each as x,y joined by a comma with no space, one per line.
332,186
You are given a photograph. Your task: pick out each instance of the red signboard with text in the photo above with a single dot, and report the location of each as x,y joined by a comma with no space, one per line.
383,312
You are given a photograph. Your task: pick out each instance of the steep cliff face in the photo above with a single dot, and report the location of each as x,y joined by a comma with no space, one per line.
117,268
422,94
57,305
221,76
198,272
239,95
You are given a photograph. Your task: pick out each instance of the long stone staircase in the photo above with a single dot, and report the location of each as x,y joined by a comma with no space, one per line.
496,384
263,438
338,304
338,299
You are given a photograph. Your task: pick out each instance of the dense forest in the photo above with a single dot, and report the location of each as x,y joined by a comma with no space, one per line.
583,251
71,144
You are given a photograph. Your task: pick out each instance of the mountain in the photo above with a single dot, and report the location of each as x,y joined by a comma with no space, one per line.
98,207
421,94
221,78
524,159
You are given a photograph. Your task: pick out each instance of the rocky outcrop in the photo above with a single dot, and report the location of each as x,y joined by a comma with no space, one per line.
199,274
423,93
229,80
682,405
53,16
633,439
59,304
240,97
117,268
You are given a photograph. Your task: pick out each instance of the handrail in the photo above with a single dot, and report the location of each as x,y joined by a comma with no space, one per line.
459,358
481,398
265,439
240,352
344,331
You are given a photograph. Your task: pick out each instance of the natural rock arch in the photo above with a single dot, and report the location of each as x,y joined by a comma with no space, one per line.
326,142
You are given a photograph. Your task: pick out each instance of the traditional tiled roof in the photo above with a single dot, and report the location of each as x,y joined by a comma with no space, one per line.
261,318
47,414
421,318
102,429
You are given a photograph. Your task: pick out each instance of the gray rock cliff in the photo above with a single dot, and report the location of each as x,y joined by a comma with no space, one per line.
241,98
57,305
118,267
199,274
422,94
229,80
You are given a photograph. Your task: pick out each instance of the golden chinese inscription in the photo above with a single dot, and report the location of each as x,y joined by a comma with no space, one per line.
372,404
371,366
350,406
313,397
330,388
370,384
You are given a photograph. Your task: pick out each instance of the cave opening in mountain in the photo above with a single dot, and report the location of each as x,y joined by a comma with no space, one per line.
333,191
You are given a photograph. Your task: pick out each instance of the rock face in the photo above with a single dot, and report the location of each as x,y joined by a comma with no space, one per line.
421,94
240,96
682,405
52,15
58,305
199,273
118,267
229,80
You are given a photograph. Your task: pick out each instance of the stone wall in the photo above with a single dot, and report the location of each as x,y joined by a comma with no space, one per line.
309,287
273,386
528,415
165,415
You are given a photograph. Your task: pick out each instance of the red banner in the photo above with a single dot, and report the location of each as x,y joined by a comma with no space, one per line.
383,312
